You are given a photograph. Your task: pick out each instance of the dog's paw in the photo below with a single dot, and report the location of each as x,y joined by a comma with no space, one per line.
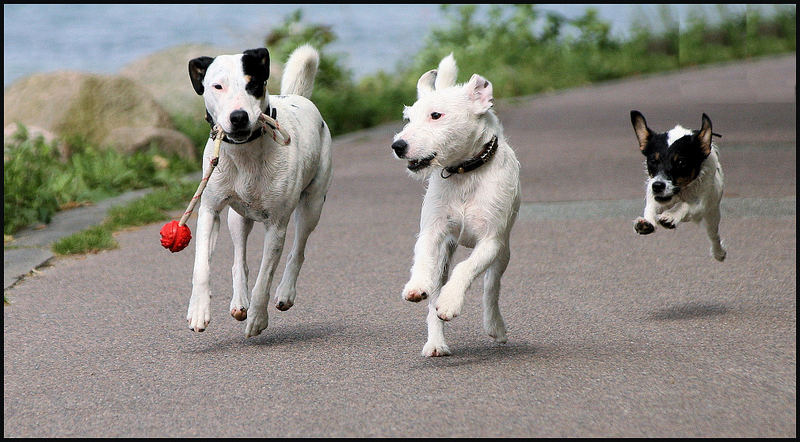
435,349
199,315
413,292
415,295
256,323
283,305
667,221
497,332
284,298
643,227
239,313
720,254
448,307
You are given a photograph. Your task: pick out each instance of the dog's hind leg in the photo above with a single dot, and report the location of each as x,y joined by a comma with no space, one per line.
436,345
712,229
306,217
451,297
492,319
240,227
258,316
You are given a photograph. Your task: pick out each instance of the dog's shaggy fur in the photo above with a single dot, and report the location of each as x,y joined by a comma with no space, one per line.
685,180
449,124
257,177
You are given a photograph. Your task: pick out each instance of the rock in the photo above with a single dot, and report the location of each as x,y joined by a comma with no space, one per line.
135,139
165,74
34,132
89,106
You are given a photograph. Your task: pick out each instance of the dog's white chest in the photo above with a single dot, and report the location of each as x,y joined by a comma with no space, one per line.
252,210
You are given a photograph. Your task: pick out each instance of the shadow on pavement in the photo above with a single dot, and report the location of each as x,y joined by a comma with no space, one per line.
691,310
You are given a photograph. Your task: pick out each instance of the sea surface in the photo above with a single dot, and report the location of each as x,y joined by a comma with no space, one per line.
105,38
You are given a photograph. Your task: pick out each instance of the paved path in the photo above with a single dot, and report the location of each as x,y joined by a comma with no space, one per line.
610,333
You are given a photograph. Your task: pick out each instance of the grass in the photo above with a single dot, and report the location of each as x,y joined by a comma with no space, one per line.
38,182
148,209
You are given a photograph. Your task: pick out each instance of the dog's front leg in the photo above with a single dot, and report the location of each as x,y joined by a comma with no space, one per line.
674,215
199,314
646,224
258,316
436,345
451,297
240,228
425,270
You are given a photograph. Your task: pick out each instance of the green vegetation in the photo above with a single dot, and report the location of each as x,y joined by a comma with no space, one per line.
37,181
525,51
151,208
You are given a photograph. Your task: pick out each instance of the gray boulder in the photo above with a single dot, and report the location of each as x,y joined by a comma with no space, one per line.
79,104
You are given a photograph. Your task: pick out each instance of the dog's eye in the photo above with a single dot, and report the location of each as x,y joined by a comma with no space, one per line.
436,115
218,86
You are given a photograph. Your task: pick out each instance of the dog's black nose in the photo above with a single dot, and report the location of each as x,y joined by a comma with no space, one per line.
659,186
239,119
400,147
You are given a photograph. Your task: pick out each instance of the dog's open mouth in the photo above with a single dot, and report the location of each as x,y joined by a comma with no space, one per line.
239,135
664,199
419,164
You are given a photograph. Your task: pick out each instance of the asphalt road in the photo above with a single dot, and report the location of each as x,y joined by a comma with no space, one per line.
610,333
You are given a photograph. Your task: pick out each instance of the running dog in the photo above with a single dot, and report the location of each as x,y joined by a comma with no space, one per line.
685,180
257,177
454,139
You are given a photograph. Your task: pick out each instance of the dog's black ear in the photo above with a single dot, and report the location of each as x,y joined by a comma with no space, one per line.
255,64
643,133
704,136
197,71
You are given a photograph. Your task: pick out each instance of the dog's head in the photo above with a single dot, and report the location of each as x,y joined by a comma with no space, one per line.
234,88
674,158
445,121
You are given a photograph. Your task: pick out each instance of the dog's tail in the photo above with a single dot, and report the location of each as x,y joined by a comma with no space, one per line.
299,72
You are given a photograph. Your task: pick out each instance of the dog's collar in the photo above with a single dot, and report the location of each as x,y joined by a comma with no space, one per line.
486,154
271,111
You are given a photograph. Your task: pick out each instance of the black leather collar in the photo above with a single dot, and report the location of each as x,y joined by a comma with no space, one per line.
475,162
271,111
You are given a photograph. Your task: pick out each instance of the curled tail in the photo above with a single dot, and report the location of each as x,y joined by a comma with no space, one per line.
299,72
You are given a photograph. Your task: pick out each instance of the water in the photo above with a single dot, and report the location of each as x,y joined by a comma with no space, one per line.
105,38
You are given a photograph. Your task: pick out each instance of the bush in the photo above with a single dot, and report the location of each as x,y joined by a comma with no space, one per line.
524,51
37,183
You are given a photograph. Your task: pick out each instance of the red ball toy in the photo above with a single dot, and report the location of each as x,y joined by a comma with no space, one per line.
175,237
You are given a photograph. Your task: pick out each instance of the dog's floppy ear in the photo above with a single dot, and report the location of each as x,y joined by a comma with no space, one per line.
197,71
704,136
448,71
479,91
255,64
643,133
425,83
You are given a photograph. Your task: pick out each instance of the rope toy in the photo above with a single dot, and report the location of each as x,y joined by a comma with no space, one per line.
175,235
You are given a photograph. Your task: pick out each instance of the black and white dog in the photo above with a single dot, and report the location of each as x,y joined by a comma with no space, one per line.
259,178
685,179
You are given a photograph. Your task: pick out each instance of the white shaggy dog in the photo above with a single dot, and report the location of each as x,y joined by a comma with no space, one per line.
259,178
685,180
473,196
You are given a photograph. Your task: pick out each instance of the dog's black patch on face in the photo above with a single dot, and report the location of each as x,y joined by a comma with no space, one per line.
679,162
255,65
197,71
